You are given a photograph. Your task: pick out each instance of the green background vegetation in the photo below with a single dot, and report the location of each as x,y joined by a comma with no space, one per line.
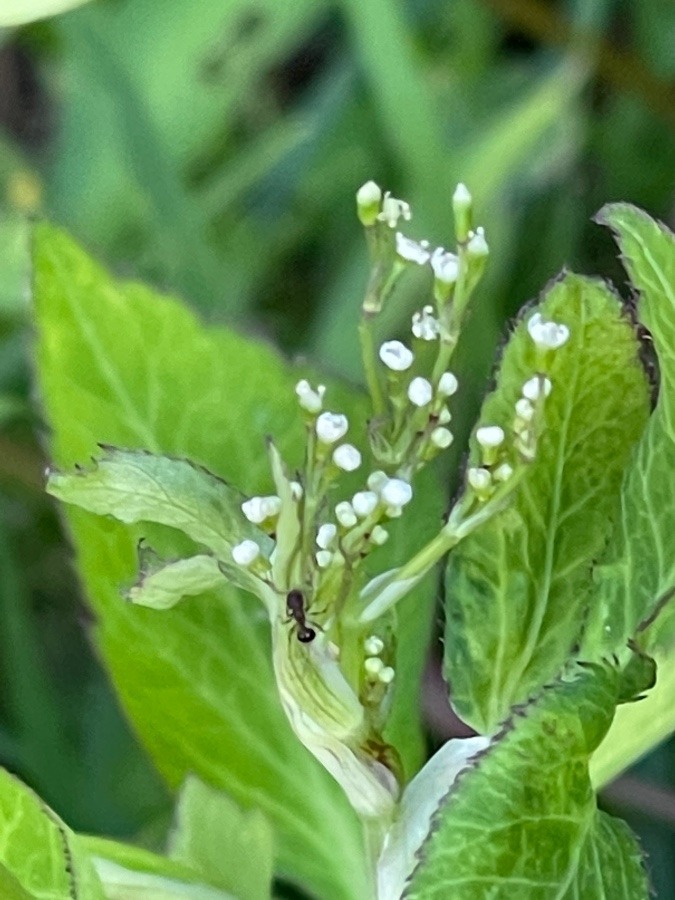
213,149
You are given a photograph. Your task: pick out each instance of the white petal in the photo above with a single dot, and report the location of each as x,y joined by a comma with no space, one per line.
396,356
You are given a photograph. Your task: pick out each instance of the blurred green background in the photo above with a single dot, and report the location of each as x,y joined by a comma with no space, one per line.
213,148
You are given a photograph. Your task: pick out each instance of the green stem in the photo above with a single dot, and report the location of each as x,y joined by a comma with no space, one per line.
459,525
369,356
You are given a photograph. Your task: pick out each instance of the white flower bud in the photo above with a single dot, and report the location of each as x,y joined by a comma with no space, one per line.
373,645
324,558
253,510
441,437
479,479
368,194
364,503
490,436
379,536
347,457
477,245
444,415
325,536
331,427
396,356
257,509
547,335
412,251
393,210
461,199
524,409
447,384
420,391
503,472
445,266
425,325
396,492
386,675
245,553
368,199
532,388
377,480
270,506
373,665
310,399
344,513
462,204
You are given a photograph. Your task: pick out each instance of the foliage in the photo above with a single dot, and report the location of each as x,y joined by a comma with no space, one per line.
598,404
213,153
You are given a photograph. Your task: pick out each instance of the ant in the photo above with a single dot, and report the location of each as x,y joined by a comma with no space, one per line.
295,607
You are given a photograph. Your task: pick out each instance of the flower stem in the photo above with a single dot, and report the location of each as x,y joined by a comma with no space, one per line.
369,356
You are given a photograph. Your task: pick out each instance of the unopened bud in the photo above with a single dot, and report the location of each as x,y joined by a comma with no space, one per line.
368,200
462,204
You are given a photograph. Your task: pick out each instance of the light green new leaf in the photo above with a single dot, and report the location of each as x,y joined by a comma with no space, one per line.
130,873
637,573
121,366
518,589
163,585
10,888
522,820
231,849
40,857
18,12
134,486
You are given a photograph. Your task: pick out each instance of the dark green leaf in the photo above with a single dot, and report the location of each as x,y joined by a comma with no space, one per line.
522,820
636,577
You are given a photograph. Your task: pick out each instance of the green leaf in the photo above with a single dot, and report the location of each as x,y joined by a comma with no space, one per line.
231,849
134,486
636,577
122,366
637,727
162,585
518,589
10,887
637,572
18,12
522,819
128,872
40,857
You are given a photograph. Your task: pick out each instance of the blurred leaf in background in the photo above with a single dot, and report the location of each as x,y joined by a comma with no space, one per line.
214,150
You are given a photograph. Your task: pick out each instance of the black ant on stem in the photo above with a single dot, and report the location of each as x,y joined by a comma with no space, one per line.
295,607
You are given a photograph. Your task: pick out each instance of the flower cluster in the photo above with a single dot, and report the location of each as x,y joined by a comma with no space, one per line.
411,415
499,457
320,531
